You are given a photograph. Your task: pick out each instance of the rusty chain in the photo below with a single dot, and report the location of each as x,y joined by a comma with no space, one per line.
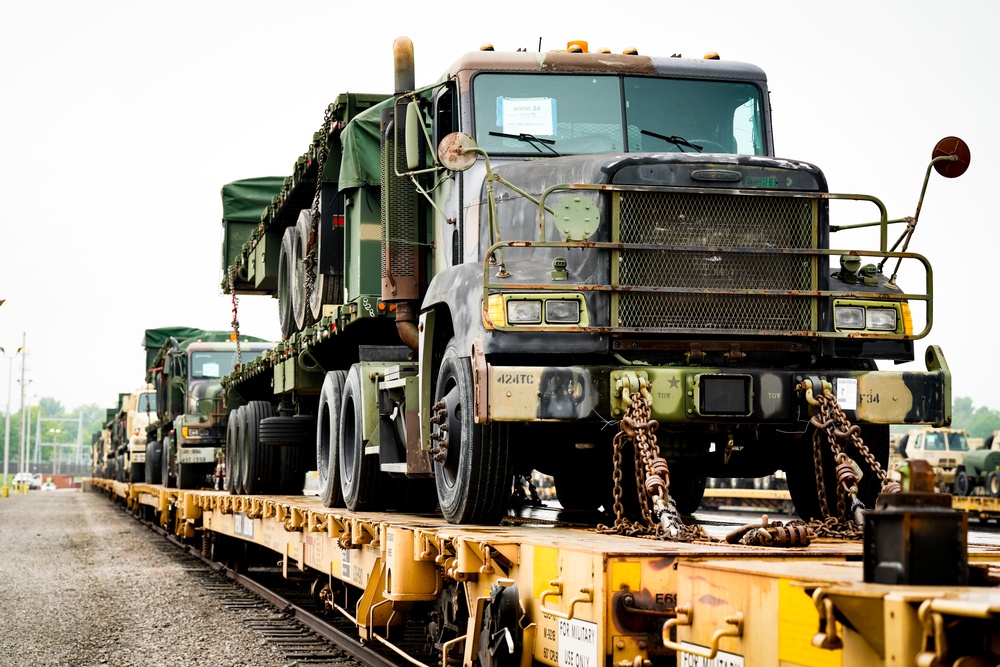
659,516
832,425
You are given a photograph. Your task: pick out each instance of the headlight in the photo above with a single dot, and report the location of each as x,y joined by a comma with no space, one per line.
562,311
882,319
524,311
849,317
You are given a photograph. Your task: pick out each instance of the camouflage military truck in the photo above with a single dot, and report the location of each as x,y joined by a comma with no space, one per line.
476,276
945,449
184,365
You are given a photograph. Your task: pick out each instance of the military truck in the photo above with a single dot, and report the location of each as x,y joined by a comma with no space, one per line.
184,365
134,415
945,449
477,277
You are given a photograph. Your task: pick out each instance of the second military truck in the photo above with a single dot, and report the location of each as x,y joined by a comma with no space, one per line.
481,276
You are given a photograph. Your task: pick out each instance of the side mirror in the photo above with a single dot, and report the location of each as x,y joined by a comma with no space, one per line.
458,151
957,157
414,131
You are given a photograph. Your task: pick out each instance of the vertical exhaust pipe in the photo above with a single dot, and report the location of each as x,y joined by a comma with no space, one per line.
401,260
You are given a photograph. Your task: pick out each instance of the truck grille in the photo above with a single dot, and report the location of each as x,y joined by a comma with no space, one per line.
721,222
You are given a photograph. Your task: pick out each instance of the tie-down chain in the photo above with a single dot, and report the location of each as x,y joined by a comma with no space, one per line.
830,423
652,475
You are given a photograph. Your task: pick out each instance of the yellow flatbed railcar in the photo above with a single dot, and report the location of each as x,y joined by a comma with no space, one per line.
587,599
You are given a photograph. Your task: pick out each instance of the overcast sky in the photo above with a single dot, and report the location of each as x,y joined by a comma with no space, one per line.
122,120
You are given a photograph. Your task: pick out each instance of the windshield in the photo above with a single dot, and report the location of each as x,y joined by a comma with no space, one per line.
546,114
957,442
216,364
147,402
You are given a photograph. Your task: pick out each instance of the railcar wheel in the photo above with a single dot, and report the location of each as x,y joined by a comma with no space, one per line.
360,477
234,481
328,426
474,476
801,472
286,276
260,465
154,453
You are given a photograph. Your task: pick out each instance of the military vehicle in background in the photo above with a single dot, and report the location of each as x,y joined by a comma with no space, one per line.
137,409
475,276
946,450
184,365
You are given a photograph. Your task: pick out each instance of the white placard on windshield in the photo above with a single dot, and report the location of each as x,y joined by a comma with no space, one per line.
527,115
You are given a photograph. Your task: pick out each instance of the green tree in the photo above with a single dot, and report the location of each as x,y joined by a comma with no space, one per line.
977,422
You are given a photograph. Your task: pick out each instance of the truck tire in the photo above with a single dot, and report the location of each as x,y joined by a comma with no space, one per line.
136,473
233,483
286,276
960,487
167,463
801,476
288,431
190,475
327,289
328,418
260,467
301,311
154,452
687,486
474,479
993,484
360,476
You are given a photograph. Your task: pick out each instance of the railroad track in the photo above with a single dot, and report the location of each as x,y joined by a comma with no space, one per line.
280,611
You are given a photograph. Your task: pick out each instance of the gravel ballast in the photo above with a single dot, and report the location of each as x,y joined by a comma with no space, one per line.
82,583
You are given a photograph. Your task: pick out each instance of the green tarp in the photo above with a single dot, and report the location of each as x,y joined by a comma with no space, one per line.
360,162
246,199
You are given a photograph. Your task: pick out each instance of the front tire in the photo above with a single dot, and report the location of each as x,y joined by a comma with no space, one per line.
474,479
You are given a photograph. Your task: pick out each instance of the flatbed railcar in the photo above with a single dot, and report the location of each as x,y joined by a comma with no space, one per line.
534,593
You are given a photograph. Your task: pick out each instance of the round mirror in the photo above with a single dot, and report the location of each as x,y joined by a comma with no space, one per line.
952,146
455,152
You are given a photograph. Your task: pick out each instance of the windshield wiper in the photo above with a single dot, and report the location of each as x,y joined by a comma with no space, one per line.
680,142
531,139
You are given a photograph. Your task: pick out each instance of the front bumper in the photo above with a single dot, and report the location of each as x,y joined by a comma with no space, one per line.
698,394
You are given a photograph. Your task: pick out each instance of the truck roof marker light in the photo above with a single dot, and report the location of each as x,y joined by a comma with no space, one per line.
381,306
712,55
577,46
631,51
487,47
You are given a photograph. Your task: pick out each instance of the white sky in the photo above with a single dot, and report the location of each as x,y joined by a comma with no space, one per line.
121,120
